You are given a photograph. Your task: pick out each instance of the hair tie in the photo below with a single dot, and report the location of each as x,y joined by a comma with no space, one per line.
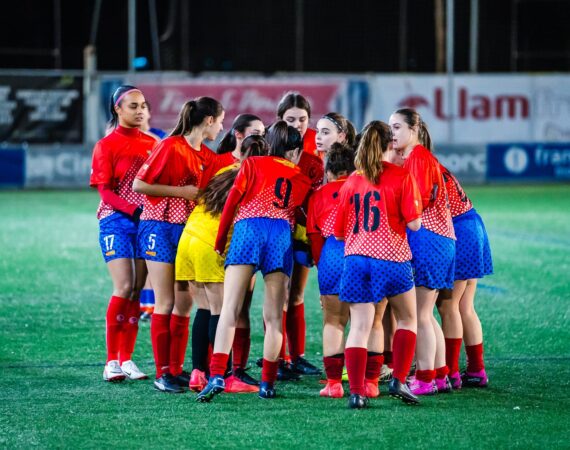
125,93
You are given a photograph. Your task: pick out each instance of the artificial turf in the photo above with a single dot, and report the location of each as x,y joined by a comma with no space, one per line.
54,289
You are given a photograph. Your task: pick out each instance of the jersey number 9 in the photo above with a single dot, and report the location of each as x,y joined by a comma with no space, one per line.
283,184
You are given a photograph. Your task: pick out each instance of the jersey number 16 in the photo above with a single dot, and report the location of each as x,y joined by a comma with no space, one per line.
368,210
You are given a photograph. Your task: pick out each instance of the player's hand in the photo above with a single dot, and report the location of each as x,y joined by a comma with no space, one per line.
220,247
189,192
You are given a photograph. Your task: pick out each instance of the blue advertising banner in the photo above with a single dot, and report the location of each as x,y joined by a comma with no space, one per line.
12,167
528,161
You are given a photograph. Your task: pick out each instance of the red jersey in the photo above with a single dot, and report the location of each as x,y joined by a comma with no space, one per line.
459,203
270,187
424,167
175,163
372,218
310,142
323,206
116,160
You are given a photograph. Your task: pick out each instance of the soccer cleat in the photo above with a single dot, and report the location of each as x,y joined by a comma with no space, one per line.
304,367
284,373
235,386
344,374
215,386
113,372
443,385
333,389
167,383
357,401
198,380
132,372
475,379
371,388
259,362
385,374
266,390
400,390
455,380
145,316
183,379
418,387
243,376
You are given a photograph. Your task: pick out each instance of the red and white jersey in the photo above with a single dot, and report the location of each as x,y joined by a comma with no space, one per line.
175,163
116,160
424,167
459,203
372,218
312,166
310,142
323,206
271,187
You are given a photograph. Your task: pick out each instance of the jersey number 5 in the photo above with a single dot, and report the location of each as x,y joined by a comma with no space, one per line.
283,184
368,210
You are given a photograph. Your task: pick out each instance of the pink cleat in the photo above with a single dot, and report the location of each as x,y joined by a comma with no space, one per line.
419,387
443,385
455,380
235,386
333,389
198,381
371,388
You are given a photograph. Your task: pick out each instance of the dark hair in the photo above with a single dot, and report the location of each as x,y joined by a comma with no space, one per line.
216,193
342,124
194,112
292,100
282,138
376,137
413,119
229,142
116,97
254,145
340,158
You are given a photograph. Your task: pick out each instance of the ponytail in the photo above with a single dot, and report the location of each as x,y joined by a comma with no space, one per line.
193,114
424,136
374,141
254,145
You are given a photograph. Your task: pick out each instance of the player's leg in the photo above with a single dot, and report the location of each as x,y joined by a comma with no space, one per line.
375,357
426,343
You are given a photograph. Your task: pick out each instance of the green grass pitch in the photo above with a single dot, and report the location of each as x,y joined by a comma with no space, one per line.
53,295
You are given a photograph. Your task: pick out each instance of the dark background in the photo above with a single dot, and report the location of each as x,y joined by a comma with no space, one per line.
259,35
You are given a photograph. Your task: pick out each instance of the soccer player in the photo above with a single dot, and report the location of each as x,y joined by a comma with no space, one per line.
376,205
458,316
268,191
333,127
171,177
433,248
295,110
328,254
116,159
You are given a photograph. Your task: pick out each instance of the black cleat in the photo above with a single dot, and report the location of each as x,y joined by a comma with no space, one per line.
284,373
304,367
168,383
475,379
400,390
243,376
183,379
259,362
215,386
357,401
266,390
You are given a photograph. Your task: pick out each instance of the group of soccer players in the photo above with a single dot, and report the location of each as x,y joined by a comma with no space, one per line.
376,212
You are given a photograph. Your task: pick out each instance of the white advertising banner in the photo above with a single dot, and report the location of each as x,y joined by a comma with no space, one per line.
477,109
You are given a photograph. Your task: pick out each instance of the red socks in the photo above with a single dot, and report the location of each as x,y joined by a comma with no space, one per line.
130,331
388,358
374,366
333,367
269,371
356,366
452,350
427,376
296,330
474,358
160,337
403,348
178,342
240,348
116,312
441,372
218,364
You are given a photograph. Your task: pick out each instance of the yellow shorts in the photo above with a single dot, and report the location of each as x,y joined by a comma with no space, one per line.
197,261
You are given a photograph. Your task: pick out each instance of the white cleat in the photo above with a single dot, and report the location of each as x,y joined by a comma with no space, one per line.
132,372
386,374
113,372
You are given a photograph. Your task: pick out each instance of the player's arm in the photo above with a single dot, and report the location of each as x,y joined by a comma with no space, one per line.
411,205
418,168
118,203
188,192
226,219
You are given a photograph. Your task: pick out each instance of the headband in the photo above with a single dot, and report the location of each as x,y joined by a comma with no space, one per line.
125,93
335,122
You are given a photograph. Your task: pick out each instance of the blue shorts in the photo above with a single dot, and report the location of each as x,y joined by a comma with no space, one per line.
158,241
369,280
330,266
263,243
118,237
433,259
472,249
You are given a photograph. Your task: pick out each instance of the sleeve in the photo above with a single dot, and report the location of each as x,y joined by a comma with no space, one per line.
317,242
411,199
341,213
118,203
226,219
101,166
156,166
420,170
312,214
